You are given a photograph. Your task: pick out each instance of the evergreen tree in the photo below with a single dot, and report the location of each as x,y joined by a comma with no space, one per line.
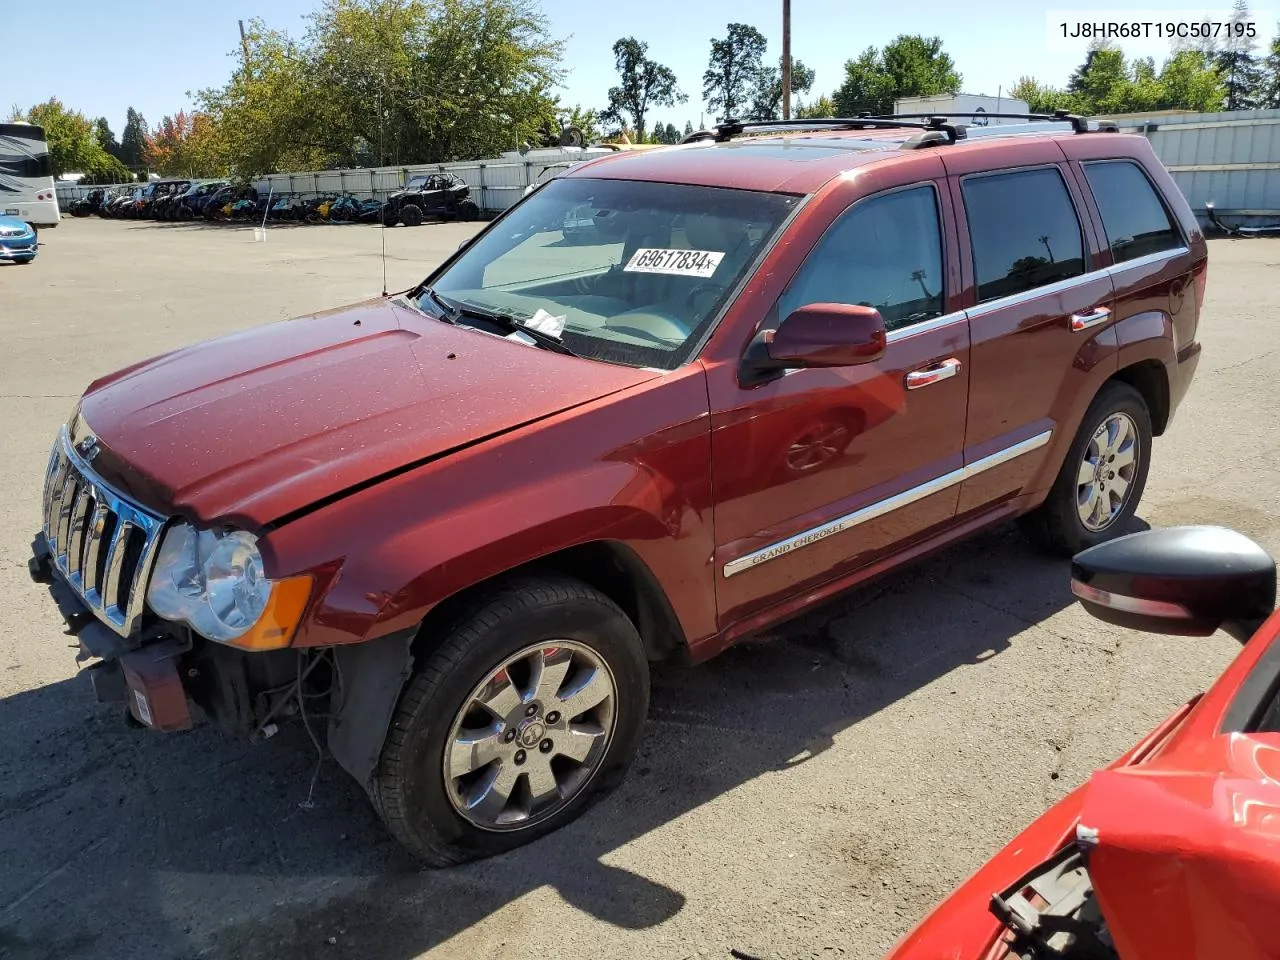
1238,67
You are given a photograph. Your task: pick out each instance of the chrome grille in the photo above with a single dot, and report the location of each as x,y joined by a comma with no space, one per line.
102,543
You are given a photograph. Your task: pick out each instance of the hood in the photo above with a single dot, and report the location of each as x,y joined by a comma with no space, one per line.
1187,860
256,425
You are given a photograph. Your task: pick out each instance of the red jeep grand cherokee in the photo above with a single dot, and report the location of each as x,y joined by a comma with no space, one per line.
459,522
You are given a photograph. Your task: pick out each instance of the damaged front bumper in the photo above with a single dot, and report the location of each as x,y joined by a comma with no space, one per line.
141,672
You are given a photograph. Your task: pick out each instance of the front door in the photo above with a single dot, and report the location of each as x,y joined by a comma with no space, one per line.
820,471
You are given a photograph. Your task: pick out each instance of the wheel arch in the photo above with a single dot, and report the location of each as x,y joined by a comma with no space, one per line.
1151,379
375,673
609,566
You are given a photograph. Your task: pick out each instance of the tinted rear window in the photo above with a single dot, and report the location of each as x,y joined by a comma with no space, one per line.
1024,231
1136,220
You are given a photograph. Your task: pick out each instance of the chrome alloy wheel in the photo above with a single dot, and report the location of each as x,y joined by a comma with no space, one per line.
530,736
1107,471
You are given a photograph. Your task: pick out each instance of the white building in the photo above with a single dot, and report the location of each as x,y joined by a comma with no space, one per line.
963,107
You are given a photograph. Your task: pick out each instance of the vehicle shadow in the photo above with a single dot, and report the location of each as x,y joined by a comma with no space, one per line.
124,843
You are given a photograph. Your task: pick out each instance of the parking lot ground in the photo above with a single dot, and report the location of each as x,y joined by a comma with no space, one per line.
809,794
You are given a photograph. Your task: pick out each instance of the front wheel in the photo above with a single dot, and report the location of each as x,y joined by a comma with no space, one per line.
529,710
1102,479
411,215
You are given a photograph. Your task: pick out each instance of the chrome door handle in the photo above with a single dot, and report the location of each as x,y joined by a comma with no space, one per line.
943,370
1090,318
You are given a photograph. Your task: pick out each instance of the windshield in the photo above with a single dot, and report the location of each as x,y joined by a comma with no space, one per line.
623,271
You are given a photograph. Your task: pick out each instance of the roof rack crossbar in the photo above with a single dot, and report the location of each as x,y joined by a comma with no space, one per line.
726,131
1078,123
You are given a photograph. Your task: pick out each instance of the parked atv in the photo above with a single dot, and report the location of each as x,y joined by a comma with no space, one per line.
442,195
88,205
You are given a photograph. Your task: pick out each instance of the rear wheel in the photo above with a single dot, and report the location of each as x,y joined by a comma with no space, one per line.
468,211
529,710
1102,479
411,214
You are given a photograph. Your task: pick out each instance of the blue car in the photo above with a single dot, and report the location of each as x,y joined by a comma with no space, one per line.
17,240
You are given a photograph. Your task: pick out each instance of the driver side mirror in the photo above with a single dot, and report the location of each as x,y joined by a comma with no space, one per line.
816,335
1186,581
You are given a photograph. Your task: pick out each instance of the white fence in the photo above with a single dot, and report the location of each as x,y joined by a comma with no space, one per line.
495,184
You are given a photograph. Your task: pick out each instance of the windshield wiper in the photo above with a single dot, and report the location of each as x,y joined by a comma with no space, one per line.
452,312
449,314
513,325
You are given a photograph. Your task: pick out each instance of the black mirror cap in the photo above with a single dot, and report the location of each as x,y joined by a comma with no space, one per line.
1186,581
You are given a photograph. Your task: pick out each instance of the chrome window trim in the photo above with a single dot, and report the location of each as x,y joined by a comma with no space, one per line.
1148,259
881,507
925,326
1060,286
69,483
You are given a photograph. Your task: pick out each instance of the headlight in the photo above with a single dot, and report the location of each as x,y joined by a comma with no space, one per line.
213,581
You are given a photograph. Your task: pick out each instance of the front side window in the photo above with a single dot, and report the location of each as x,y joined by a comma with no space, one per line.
1024,231
1136,222
630,272
883,252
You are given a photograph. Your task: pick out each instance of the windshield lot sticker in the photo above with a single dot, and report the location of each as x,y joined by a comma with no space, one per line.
679,263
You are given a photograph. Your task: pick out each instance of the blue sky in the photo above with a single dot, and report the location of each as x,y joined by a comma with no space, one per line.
106,57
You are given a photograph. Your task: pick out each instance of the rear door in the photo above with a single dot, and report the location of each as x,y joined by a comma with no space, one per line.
1039,308
822,471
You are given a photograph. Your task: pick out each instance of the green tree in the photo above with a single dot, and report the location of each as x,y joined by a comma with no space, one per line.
1043,99
910,66
767,101
733,71
1105,83
133,140
73,142
1239,68
824,106
588,121
644,83
1271,87
671,134
106,139
1188,81
388,82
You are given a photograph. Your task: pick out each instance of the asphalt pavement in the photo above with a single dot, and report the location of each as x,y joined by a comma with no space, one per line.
809,794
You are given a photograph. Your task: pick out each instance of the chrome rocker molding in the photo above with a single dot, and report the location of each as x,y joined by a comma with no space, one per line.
880,508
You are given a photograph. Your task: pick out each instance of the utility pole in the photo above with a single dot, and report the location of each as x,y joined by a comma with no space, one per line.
786,59
244,45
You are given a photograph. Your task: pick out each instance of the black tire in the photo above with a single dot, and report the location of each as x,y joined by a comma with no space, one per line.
1056,525
468,211
409,789
411,215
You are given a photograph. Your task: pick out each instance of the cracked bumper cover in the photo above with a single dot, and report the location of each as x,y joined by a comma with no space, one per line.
144,676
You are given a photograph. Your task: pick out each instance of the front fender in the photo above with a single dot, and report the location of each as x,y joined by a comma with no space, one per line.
633,468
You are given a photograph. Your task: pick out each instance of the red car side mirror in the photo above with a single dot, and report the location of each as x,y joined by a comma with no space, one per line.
817,335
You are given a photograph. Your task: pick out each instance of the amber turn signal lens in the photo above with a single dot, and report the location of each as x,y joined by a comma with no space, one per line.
279,621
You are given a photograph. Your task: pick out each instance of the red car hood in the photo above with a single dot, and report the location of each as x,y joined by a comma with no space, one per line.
253,426
1188,856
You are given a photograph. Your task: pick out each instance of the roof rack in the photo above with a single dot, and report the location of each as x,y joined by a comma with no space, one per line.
1078,123
723,132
